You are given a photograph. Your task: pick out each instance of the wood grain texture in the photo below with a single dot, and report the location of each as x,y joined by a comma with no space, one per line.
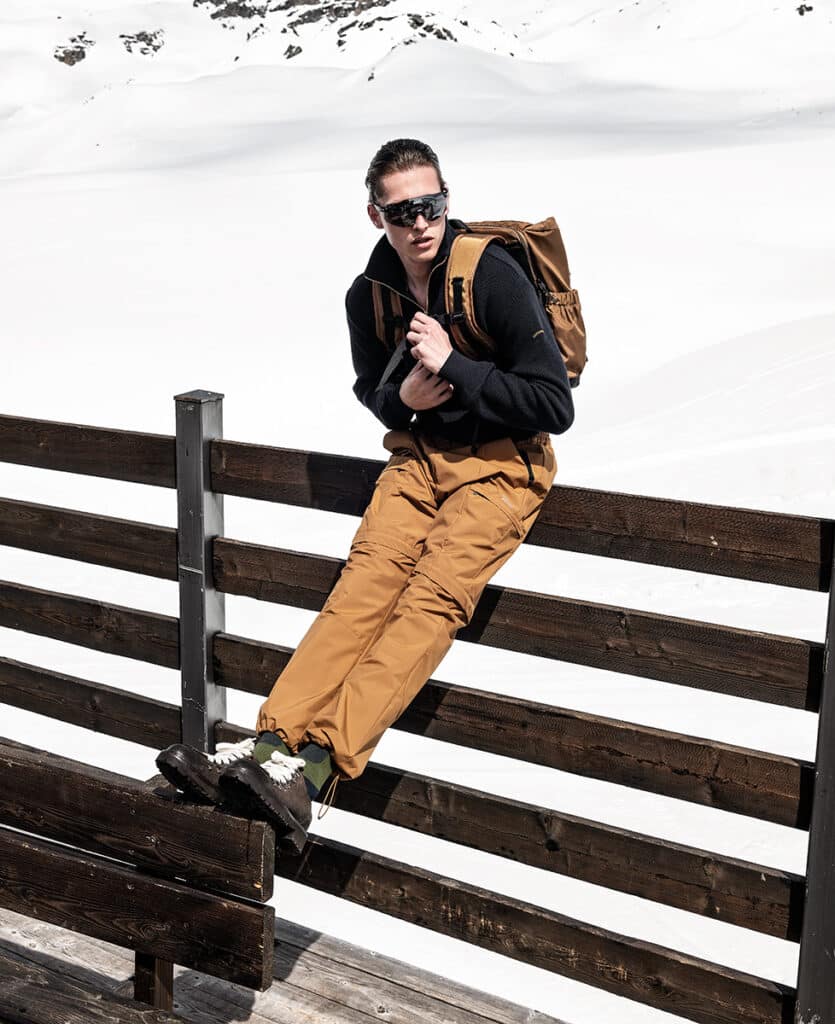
769,547
742,663
144,636
100,540
114,815
154,982
762,785
723,888
214,934
31,993
94,451
692,988
397,991
104,709
319,979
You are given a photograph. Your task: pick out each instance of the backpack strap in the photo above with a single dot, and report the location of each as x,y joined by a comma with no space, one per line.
464,255
389,322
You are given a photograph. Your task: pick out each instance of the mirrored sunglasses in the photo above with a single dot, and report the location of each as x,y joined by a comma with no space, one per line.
404,215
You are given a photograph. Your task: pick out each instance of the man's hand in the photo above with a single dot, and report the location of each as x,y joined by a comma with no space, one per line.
422,389
430,342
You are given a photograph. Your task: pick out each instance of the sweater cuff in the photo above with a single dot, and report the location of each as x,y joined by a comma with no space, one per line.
467,376
395,409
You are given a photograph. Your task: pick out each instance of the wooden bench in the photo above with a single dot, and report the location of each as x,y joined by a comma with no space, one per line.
123,861
786,550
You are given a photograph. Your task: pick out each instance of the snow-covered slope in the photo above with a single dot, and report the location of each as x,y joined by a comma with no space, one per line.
648,40
131,84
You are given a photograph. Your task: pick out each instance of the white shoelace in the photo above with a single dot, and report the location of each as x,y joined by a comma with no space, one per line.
228,753
281,768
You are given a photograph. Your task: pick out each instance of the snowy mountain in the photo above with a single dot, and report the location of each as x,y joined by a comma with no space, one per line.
80,83
359,33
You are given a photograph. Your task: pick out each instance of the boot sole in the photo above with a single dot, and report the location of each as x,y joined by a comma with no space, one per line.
244,787
174,765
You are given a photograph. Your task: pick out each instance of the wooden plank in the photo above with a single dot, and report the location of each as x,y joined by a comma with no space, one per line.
366,993
770,547
214,934
724,888
209,1001
333,483
117,816
742,663
95,706
145,636
403,991
154,982
95,964
650,974
100,540
718,775
31,993
321,979
94,451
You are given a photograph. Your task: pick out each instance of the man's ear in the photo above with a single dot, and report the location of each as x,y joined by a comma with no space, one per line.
374,214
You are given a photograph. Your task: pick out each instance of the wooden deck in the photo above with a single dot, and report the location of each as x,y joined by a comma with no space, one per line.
318,979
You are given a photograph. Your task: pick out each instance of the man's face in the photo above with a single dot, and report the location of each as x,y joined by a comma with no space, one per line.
417,246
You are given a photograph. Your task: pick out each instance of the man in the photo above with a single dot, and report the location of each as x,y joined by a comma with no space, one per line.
471,463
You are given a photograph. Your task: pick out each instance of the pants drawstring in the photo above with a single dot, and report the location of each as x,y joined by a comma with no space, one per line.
327,802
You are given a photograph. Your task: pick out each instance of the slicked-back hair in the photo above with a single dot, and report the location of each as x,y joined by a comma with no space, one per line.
399,155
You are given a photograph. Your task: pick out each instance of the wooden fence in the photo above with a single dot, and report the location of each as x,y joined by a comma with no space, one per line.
787,550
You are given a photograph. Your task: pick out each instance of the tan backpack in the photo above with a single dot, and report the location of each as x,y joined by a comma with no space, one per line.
539,250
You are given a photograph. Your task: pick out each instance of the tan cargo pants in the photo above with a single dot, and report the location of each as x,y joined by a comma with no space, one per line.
440,523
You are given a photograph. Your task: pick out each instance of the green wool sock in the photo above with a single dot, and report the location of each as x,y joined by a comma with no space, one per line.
317,768
266,743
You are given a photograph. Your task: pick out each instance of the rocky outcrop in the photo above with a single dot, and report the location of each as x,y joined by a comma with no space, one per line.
75,50
347,16
146,43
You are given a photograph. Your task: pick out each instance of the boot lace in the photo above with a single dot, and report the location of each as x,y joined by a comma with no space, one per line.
281,768
228,753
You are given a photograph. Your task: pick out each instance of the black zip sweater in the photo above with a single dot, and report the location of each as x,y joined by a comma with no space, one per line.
524,391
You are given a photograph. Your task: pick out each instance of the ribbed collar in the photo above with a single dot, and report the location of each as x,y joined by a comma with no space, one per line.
385,266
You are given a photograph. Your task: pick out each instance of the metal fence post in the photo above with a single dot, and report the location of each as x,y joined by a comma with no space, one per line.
816,976
202,608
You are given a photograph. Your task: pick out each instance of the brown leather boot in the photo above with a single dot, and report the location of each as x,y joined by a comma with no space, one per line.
275,792
197,774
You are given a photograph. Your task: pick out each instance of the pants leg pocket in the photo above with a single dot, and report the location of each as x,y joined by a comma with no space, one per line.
501,501
475,535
